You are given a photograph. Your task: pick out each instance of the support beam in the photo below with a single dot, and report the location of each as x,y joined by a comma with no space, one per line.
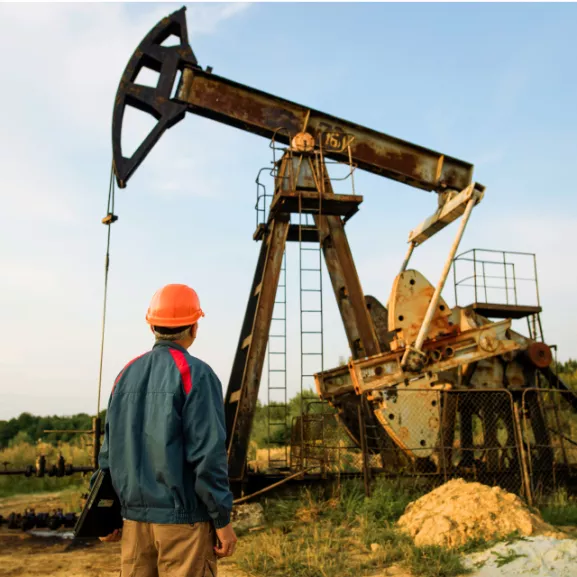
414,358
361,334
243,386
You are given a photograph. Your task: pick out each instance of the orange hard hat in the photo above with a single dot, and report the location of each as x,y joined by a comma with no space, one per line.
175,305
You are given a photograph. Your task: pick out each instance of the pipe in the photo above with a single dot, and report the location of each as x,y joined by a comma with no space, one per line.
435,300
437,294
52,471
408,257
277,484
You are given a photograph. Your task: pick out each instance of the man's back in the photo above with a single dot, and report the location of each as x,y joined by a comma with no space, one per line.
168,460
165,448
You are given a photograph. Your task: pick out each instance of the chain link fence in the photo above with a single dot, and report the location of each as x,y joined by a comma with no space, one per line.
549,425
524,441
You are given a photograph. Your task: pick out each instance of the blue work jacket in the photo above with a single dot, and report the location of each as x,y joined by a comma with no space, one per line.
164,440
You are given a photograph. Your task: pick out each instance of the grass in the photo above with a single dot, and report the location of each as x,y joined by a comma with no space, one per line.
561,510
21,454
321,533
510,556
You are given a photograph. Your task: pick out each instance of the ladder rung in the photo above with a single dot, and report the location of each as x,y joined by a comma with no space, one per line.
277,336
312,332
278,319
311,290
277,388
311,311
310,269
309,354
315,249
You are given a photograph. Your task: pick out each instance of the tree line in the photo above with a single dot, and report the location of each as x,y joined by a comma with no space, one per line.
30,428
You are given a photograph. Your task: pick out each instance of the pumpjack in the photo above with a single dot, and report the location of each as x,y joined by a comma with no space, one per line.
417,343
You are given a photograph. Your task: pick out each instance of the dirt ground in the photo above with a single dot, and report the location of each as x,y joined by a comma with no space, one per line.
23,555
68,500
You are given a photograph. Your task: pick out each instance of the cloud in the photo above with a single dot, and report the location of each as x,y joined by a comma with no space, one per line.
63,71
187,213
66,74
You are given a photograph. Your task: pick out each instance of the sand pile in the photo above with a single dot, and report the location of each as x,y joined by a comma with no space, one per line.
458,512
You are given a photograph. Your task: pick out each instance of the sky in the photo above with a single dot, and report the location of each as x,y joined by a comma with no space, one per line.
491,84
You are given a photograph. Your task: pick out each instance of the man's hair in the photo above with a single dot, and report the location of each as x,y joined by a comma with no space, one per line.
171,333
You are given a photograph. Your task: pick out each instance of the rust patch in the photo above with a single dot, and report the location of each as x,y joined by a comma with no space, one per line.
540,355
400,162
233,102
403,433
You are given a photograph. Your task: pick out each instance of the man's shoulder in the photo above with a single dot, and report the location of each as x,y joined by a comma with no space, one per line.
137,359
134,361
200,367
199,364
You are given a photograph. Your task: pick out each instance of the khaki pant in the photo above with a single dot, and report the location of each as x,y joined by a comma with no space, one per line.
154,550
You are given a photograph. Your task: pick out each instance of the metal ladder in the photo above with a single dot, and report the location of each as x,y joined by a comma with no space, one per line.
277,408
311,308
535,327
276,355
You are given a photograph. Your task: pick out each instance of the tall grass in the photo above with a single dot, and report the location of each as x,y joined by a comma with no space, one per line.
561,509
338,531
20,454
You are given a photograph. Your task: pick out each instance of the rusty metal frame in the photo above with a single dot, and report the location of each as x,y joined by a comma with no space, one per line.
414,358
359,328
384,370
242,392
229,102
511,307
244,382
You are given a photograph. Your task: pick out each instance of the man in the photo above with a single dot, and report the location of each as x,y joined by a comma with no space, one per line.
164,446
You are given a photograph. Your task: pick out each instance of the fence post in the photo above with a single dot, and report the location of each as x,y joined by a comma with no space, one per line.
524,470
362,431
